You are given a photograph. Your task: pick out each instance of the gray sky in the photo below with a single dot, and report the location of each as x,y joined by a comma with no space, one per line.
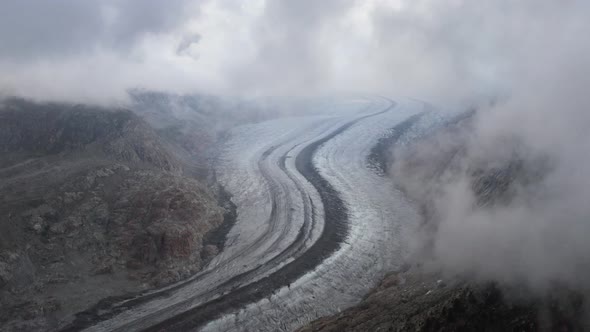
38,29
450,50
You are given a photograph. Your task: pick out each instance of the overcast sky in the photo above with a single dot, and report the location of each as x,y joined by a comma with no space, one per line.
455,49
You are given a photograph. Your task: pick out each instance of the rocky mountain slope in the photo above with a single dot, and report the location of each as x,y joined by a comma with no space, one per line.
93,203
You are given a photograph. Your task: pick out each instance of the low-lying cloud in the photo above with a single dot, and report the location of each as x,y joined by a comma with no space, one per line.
541,69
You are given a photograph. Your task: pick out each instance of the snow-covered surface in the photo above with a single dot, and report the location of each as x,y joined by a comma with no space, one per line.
274,207
379,218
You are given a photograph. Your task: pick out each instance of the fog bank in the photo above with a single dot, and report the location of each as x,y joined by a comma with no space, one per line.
538,236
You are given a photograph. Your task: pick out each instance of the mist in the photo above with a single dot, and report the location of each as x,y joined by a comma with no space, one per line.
96,51
532,55
536,237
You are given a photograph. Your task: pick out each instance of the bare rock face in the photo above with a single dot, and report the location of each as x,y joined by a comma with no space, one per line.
57,129
92,204
163,220
415,301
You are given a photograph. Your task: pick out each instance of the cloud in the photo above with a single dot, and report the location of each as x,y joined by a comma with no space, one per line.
533,53
90,51
35,29
254,47
448,52
186,43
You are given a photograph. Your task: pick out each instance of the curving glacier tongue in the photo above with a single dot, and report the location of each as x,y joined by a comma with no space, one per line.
317,227
378,217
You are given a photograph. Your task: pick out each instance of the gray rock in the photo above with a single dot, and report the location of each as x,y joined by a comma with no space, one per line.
5,274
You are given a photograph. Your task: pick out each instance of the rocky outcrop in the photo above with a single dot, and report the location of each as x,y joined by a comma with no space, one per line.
93,204
64,130
419,301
